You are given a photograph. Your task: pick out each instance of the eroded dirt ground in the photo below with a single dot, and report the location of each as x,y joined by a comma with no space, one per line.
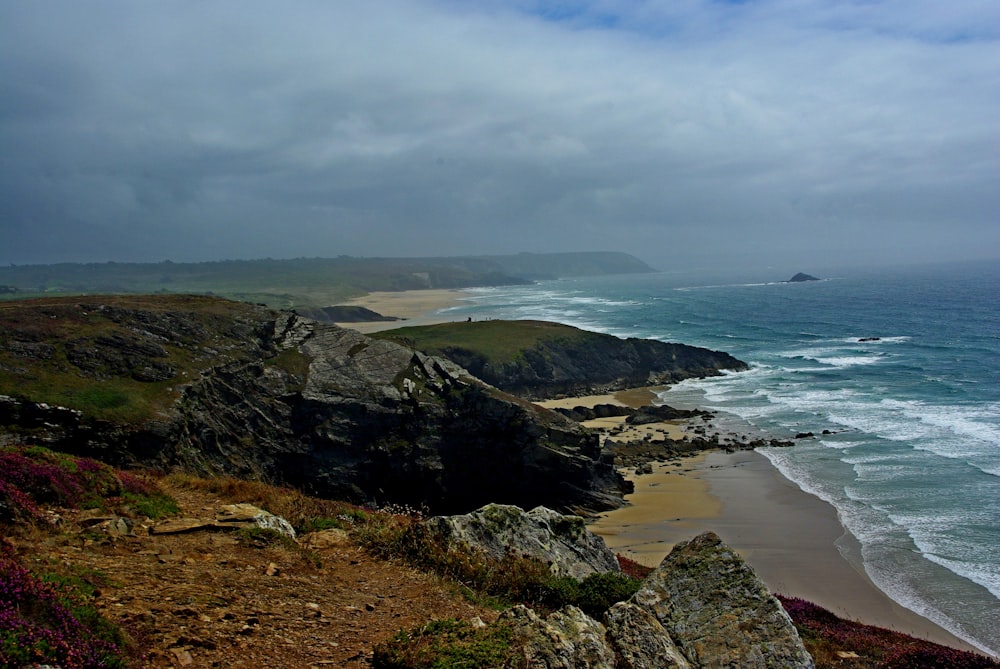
204,600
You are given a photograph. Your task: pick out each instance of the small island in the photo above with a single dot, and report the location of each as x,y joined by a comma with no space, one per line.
801,276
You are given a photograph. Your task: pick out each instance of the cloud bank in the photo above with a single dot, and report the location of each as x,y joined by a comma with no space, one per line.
677,131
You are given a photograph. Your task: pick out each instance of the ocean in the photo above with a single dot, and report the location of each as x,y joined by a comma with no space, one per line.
895,370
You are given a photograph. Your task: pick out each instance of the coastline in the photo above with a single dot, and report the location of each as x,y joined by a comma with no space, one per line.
414,307
793,540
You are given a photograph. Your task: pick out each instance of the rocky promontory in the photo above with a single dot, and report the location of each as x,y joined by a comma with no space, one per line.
540,360
216,387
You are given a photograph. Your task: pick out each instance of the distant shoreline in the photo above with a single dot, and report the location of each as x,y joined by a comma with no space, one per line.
414,307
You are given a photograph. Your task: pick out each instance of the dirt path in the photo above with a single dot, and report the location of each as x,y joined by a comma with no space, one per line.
204,600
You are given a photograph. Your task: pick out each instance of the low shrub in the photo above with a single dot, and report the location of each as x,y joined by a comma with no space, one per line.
824,634
445,644
32,476
52,622
511,579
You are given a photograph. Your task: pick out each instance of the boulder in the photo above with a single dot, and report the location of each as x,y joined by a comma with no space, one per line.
563,542
639,640
248,515
702,608
566,639
718,612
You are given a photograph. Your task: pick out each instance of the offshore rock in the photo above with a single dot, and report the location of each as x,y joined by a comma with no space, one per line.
563,542
718,612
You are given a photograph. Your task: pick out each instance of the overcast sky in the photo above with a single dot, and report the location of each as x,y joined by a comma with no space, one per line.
676,130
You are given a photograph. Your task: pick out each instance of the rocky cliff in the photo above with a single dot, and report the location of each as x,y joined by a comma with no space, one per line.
540,360
224,388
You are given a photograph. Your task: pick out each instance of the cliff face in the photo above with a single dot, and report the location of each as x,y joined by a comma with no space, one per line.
290,400
538,360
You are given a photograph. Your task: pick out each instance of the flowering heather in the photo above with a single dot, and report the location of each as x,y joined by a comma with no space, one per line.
47,624
825,634
32,476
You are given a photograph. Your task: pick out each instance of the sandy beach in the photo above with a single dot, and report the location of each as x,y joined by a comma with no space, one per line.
417,307
793,540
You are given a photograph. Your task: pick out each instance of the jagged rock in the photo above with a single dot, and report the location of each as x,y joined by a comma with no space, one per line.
563,542
718,612
566,639
248,515
639,640
660,413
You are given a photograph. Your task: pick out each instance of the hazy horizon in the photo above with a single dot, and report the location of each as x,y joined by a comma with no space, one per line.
790,134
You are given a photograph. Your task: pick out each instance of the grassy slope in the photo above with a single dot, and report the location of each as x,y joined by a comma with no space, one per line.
498,341
37,337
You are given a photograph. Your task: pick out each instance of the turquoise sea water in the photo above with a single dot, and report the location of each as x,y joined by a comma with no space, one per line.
901,366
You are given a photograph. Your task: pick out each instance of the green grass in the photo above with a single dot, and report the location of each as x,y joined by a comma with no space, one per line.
447,644
42,343
496,341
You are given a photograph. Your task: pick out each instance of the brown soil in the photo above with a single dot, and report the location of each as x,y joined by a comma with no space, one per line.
204,600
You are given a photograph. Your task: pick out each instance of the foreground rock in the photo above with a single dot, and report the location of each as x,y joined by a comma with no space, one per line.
563,542
703,607
716,609
253,393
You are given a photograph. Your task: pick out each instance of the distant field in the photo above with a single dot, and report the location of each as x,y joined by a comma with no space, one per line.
304,282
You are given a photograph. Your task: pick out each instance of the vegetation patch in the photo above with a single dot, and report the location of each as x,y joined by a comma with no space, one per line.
493,342
445,644
834,642
50,621
512,579
32,476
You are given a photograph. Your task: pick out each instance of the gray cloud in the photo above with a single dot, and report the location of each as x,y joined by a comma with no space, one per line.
676,131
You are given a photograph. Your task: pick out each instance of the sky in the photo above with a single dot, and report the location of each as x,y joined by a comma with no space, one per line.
684,132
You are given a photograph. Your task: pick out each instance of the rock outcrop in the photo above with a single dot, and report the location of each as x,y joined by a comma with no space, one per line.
540,360
255,393
801,276
702,608
561,541
717,610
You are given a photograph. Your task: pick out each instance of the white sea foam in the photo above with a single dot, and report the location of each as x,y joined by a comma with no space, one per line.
934,537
